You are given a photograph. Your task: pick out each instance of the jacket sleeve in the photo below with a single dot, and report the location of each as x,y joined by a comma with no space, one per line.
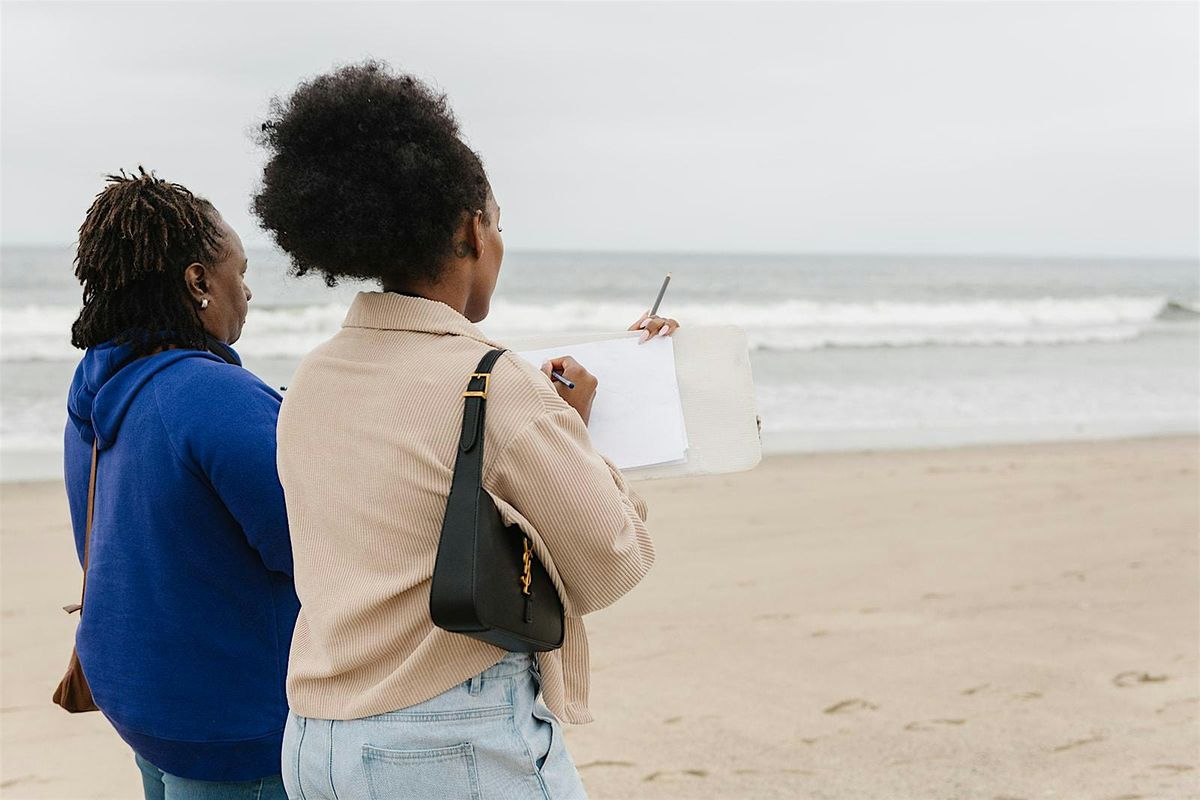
231,442
639,505
590,523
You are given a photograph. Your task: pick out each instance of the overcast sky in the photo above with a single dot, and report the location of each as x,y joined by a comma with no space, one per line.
1007,128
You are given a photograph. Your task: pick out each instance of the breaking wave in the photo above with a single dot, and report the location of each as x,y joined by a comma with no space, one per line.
41,333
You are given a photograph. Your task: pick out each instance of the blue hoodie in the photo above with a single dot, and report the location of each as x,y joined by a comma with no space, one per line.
190,606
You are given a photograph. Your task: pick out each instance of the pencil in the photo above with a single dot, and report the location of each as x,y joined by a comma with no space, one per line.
661,292
554,376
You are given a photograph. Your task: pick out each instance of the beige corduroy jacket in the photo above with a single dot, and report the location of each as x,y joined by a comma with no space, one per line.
367,442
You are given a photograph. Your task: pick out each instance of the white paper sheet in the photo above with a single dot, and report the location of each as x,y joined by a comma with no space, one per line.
637,417
716,388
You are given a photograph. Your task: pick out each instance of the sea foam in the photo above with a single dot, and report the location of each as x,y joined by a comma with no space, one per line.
42,333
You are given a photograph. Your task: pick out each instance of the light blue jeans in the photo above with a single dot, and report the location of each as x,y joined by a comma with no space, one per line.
159,785
489,738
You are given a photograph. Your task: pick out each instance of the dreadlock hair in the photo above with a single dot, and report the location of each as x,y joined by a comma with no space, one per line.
139,236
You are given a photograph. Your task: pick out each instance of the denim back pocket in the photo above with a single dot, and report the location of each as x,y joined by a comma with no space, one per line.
443,773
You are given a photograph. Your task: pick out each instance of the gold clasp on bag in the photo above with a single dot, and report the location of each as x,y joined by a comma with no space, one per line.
527,575
478,393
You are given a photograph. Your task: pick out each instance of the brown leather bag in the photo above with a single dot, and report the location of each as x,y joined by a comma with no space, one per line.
73,692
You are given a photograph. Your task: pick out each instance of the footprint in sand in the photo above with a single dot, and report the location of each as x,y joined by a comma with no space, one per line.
1078,743
853,704
1181,701
603,763
932,724
1133,678
695,773
9,783
1030,695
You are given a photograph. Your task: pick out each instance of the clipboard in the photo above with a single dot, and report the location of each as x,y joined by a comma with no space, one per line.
716,389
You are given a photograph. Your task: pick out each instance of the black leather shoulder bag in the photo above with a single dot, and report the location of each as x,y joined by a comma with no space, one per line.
487,583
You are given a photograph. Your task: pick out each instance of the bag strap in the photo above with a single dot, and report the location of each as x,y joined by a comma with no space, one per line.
470,441
468,464
87,532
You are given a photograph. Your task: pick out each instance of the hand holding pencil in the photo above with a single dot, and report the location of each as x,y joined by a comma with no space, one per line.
574,384
651,323
577,386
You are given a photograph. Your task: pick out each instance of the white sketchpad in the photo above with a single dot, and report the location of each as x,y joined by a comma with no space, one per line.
637,416
712,367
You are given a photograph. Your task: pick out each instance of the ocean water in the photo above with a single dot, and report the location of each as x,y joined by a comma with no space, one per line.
847,352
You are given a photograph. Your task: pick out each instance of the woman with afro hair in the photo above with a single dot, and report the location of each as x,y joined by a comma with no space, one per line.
369,178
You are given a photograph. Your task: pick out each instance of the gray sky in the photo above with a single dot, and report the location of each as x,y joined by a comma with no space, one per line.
1014,128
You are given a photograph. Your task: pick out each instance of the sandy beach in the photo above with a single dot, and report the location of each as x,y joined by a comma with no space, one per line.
994,622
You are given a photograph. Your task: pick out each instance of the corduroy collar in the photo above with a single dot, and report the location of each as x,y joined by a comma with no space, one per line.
389,311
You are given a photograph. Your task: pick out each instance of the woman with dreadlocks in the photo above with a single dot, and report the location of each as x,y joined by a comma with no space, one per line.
189,602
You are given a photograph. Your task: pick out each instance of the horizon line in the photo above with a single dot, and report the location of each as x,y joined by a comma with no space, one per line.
1023,255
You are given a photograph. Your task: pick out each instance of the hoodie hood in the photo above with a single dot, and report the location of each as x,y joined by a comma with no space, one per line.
109,378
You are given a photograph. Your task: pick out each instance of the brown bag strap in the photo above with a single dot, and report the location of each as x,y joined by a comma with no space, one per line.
87,533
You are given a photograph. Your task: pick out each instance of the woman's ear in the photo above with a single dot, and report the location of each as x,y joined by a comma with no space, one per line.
477,234
195,276
472,233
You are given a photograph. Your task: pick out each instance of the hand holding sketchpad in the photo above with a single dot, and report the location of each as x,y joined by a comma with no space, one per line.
637,417
712,369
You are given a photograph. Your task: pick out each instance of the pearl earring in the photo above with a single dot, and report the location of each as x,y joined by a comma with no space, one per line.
204,303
